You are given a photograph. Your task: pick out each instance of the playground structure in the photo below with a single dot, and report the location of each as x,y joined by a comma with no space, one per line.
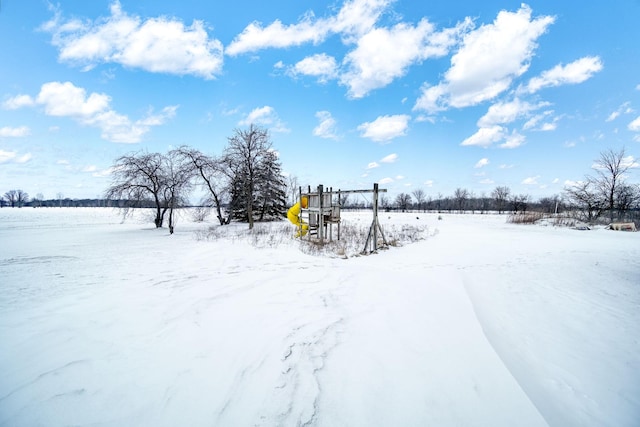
317,213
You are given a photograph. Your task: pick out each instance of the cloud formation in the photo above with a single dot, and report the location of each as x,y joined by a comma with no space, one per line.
573,73
159,45
377,56
488,61
264,116
12,156
385,128
321,66
391,158
327,126
11,132
482,163
67,100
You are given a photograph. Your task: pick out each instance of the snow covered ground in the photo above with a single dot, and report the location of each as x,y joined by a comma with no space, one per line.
483,323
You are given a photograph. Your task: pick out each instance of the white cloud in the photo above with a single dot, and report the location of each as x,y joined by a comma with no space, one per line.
24,158
532,180
429,183
67,100
102,173
613,116
481,163
385,128
548,126
12,156
162,45
572,73
90,168
277,35
380,55
507,112
264,116
513,141
385,180
18,132
355,18
625,108
484,137
488,61
384,54
487,181
570,183
5,156
534,122
635,125
327,126
630,162
391,158
322,66
18,102
373,165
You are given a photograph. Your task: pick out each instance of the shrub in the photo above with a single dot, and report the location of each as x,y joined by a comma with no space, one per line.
525,218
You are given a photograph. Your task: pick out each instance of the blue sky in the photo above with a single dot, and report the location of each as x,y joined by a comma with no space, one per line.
413,95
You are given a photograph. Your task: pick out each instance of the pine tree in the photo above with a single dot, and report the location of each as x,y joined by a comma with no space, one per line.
256,185
271,189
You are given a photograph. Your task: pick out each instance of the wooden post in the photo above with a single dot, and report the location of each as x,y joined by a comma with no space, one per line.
320,216
375,225
375,217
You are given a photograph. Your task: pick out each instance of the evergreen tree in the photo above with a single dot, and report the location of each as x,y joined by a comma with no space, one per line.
256,185
271,189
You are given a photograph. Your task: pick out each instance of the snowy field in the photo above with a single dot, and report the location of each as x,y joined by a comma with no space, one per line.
482,323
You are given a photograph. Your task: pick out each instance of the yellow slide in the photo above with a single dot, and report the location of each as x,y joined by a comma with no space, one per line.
294,216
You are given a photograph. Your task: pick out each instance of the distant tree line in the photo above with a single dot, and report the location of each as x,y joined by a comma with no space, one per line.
245,183
461,201
606,195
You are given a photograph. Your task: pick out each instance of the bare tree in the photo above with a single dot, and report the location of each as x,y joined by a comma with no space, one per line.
403,201
501,195
607,191
245,151
610,169
22,197
584,196
293,188
460,196
549,204
627,196
137,177
38,199
16,198
519,202
384,202
343,200
210,171
420,198
439,202
11,196
177,175
484,203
